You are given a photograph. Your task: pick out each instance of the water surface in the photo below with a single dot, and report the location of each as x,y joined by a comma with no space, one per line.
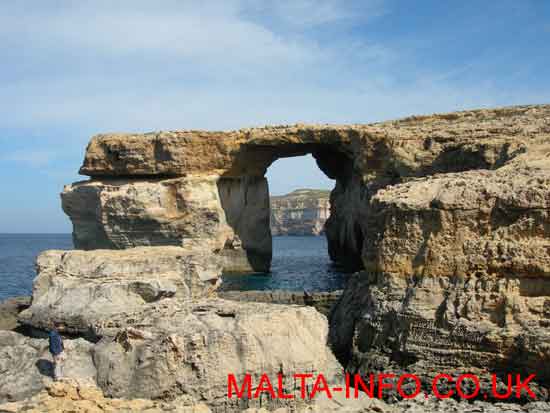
17,259
299,263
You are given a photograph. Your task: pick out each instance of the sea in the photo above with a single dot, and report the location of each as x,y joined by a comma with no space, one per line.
299,263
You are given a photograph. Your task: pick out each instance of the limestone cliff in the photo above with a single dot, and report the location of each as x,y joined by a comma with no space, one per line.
301,212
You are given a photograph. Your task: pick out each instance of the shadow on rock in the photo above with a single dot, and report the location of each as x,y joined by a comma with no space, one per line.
45,367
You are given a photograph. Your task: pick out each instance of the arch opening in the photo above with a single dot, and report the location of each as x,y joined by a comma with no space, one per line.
299,258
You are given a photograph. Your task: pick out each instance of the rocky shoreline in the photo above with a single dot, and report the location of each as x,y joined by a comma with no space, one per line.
444,217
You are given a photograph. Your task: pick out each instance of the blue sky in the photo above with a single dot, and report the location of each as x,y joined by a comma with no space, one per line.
71,69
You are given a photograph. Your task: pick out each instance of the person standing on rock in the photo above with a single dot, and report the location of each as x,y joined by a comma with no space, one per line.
57,351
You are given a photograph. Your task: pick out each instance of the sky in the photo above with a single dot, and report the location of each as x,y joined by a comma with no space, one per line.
69,70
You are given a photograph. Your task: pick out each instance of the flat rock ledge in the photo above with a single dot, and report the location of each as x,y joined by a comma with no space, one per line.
84,289
321,301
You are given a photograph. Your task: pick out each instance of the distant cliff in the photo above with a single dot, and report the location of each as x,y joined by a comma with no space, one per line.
301,212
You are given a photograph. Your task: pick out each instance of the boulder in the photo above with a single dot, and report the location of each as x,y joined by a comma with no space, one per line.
9,311
82,289
191,349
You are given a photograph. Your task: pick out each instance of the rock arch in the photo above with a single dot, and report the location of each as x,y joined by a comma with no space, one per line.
207,190
203,189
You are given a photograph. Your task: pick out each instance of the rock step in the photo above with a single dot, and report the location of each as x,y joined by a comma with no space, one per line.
321,301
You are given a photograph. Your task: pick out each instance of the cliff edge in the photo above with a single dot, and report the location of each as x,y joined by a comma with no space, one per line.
301,212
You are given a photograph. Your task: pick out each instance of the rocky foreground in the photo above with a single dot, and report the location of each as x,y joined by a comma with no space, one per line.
445,217
301,212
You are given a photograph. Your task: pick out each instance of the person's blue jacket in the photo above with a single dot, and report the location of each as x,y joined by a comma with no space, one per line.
56,343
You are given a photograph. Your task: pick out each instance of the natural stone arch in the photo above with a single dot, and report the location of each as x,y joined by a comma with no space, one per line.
162,188
160,194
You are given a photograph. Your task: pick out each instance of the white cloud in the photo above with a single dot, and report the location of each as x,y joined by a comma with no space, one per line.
307,13
137,66
134,64
196,30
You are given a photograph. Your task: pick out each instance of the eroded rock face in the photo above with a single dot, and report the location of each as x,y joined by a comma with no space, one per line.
26,364
321,301
9,311
123,214
419,404
83,289
170,348
203,213
245,203
301,212
457,276
418,145
482,222
246,152
77,396
191,349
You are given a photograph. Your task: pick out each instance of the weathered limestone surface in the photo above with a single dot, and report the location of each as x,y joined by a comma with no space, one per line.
26,367
321,301
83,289
301,212
245,203
457,276
190,349
490,222
153,212
168,348
419,404
203,213
79,396
362,159
447,214
9,311
417,145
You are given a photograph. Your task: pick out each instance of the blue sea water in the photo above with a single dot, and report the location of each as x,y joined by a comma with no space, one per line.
299,263
17,259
